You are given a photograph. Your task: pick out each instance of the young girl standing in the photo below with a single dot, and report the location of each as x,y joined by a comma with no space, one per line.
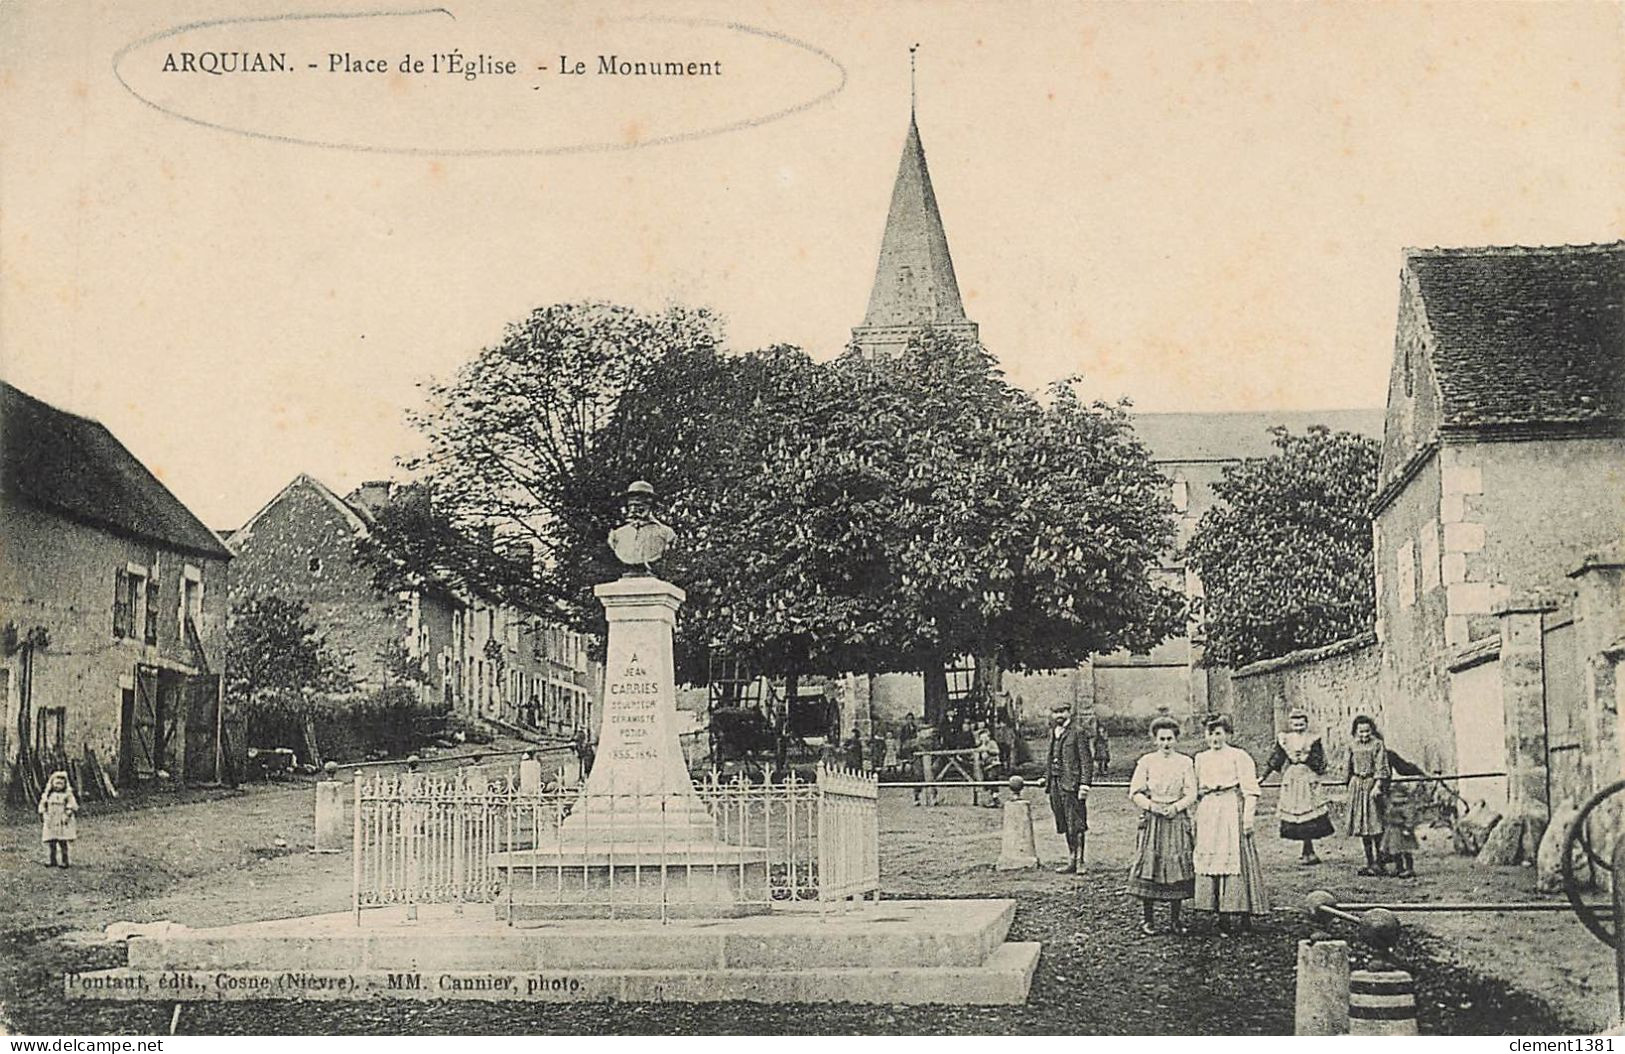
1229,880
57,807
1163,788
1367,772
1301,761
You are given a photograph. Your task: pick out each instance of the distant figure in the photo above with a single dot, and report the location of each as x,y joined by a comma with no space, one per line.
1399,801
876,754
1301,760
584,751
1101,747
642,539
1004,737
1366,771
57,808
1068,775
530,775
987,752
853,749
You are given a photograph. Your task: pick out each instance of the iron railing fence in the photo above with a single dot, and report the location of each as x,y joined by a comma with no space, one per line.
471,836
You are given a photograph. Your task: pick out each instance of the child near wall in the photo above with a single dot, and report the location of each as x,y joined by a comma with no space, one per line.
57,809
1399,801
1366,771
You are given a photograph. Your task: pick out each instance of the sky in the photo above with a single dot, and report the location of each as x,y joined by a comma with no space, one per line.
1196,206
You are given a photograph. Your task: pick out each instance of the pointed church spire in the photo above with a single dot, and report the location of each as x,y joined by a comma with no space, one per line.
914,285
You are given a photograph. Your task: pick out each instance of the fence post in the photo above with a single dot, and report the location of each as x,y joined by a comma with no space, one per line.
355,851
825,864
1322,1006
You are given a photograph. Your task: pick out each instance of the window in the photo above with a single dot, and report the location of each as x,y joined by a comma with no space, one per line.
151,628
1180,492
1429,548
123,614
1405,583
48,732
131,597
191,601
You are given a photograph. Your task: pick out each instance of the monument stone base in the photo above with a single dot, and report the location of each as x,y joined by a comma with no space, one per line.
918,951
703,880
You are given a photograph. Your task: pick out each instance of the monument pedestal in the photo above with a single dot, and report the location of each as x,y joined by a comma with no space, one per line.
638,841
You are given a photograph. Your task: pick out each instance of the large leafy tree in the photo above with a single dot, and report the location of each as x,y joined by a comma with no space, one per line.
513,443
279,667
1285,554
991,524
888,514
864,515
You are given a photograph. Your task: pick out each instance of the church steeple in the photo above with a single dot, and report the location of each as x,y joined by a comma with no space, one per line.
914,285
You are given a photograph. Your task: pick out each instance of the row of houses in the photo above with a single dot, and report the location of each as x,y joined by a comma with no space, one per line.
115,602
483,660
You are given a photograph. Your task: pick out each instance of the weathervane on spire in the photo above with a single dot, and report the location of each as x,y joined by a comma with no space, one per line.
911,91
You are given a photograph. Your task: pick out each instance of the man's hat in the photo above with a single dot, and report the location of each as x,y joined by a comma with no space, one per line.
640,486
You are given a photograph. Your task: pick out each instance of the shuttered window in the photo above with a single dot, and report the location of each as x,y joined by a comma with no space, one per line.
152,612
123,612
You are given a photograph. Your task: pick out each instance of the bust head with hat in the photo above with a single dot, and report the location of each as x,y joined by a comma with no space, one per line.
642,539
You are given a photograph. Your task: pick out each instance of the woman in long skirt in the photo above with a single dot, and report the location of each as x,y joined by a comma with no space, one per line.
1163,788
1301,760
1229,880
1367,772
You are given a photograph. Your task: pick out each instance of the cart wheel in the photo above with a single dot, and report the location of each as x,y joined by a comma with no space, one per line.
1578,837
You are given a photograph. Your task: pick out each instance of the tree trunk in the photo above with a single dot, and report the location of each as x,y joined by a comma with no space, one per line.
987,677
935,672
792,688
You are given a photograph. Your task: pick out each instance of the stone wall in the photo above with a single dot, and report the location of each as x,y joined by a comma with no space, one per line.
1333,684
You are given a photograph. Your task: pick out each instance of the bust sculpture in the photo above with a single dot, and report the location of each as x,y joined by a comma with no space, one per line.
642,539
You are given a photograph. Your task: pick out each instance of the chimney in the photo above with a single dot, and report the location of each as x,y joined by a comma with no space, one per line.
371,495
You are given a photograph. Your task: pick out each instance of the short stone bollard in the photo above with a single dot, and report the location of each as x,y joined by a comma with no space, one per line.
1322,1007
331,834
530,776
1382,1003
1018,849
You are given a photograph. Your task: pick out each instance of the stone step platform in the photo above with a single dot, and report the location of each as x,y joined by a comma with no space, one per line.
950,952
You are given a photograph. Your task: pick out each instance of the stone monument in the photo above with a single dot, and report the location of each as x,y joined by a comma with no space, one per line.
638,835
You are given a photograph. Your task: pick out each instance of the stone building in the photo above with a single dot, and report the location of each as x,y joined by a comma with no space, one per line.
112,609
477,659
1503,465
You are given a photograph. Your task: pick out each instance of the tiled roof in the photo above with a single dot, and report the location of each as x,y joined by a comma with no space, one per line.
1526,336
1236,436
74,467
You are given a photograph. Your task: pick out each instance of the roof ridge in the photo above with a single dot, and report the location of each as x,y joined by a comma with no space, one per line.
53,407
1412,252
357,522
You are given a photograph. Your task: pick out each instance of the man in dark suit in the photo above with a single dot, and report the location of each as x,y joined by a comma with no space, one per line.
1068,775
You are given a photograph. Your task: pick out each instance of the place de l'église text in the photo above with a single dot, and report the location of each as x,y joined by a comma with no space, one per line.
448,63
